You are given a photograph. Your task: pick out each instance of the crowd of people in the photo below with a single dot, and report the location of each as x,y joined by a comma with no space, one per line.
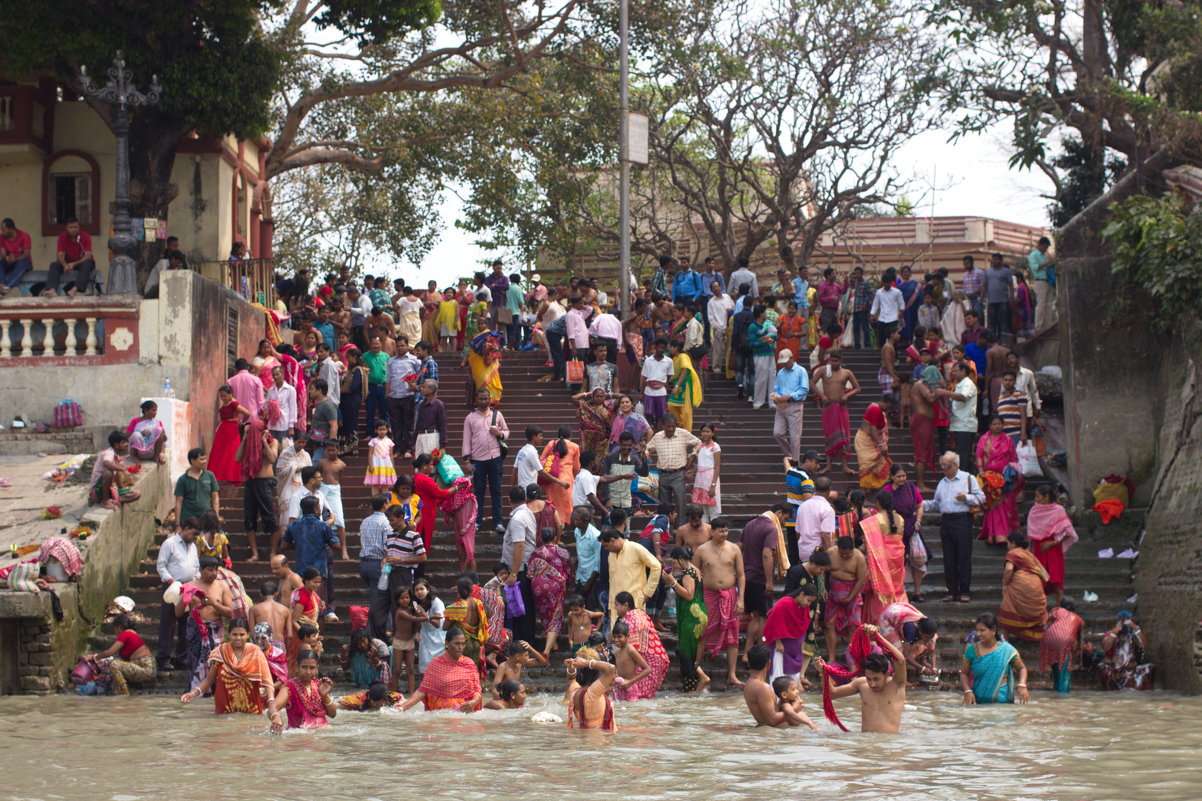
574,559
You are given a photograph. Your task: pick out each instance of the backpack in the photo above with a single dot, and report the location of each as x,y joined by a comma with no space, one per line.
68,414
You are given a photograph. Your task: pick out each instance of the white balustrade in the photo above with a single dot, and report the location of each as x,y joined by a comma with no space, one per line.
17,340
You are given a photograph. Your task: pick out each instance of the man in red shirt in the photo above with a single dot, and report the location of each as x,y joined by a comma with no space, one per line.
74,256
14,255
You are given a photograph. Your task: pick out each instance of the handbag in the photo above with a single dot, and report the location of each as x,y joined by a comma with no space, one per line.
550,467
500,440
515,605
575,372
1028,461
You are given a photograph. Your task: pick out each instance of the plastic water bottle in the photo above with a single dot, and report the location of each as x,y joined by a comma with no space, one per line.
168,392
382,582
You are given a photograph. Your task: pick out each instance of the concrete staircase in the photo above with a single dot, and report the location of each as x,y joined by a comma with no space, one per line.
752,481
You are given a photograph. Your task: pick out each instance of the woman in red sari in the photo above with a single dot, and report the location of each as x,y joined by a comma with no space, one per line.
561,460
996,453
872,444
550,572
1051,534
885,545
646,641
595,411
1024,611
222,459
239,673
790,328
451,680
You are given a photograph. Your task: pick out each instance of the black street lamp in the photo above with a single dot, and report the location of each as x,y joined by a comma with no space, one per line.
123,273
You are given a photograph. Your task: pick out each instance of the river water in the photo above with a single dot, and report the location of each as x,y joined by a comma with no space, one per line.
1087,747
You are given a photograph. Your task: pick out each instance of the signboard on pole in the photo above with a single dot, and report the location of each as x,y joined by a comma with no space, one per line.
636,132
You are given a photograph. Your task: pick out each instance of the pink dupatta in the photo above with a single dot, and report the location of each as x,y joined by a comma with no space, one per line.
1050,520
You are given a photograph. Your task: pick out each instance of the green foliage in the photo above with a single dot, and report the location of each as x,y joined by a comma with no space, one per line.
1086,175
369,21
1158,251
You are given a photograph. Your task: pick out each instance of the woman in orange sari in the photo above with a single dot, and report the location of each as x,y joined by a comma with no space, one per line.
872,444
239,673
790,328
1024,611
885,547
996,454
561,460
451,680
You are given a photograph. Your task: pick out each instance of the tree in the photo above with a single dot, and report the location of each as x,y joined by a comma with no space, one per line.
1121,76
254,67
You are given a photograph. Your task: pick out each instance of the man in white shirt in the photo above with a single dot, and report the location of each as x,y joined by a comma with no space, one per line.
527,464
285,396
963,423
743,276
586,484
888,304
327,368
608,329
956,495
718,313
657,371
178,562
310,484
521,538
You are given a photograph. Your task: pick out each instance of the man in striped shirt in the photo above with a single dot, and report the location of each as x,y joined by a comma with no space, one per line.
1012,408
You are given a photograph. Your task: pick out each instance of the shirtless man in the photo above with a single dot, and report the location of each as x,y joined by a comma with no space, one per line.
882,696
258,497
721,565
696,532
888,377
272,612
922,424
845,585
331,468
215,607
833,385
287,581
757,692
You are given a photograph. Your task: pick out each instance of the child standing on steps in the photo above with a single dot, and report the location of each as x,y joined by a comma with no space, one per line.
405,636
380,470
331,467
212,541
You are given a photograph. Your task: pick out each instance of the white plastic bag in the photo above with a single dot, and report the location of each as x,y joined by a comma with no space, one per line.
1028,461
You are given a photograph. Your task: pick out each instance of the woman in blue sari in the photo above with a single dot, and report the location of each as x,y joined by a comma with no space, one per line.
990,666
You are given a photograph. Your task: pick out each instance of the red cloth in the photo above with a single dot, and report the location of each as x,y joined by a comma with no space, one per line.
431,495
922,432
450,682
65,552
875,416
723,628
252,444
1109,510
786,621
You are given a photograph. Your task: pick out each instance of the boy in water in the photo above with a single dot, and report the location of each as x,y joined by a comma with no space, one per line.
789,698
761,700
331,468
632,667
310,638
581,623
520,653
270,611
881,695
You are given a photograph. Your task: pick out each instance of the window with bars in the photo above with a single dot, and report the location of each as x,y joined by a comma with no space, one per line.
70,196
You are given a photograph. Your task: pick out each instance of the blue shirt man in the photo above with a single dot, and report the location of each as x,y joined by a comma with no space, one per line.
708,275
686,287
792,380
800,288
311,537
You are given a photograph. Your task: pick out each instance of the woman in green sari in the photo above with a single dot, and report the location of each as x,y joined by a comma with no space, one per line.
691,618
990,667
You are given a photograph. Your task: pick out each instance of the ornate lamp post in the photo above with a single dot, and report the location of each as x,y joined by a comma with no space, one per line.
123,274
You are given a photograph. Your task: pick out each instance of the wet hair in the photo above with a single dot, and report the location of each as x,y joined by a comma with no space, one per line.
310,574
508,689
927,625
719,522
624,598
1018,538
781,684
845,543
464,588
621,629
378,691
877,663
269,588
758,656
820,558
306,630
682,552
122,622
547,535
884,501
575,600
307,654
239,623
586,676
209,562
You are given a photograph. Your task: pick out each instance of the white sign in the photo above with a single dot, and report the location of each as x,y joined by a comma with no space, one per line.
636,133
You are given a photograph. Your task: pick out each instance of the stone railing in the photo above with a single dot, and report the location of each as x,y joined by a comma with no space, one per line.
61,331
253,279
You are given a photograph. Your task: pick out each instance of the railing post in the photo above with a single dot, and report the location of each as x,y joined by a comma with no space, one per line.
26,336
48,337
6,345
91,341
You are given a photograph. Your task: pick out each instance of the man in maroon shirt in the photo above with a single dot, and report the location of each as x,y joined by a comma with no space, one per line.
14,255
75,257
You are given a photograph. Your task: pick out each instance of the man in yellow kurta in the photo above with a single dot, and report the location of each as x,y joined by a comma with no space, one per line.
632,569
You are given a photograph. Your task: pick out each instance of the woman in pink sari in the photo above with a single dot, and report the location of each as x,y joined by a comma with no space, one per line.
294,374
265,361
1051,534
885,546
995,454
550,570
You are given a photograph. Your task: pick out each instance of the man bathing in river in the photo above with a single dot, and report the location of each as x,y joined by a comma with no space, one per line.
761,699
881,695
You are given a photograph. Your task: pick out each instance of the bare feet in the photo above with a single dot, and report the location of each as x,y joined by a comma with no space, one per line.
806,684
703,681
733,681
254,557
826,469
72,292
850,471
49,293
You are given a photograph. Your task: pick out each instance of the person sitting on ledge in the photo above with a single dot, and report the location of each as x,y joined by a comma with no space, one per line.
112,484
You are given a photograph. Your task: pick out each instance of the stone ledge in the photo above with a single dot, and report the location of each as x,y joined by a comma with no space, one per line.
24,605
